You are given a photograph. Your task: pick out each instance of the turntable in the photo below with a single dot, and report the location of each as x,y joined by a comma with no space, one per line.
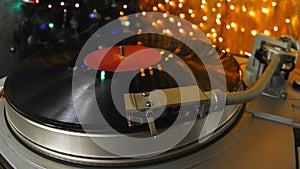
59,112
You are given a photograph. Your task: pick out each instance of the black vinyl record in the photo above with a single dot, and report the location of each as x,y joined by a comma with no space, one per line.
41,87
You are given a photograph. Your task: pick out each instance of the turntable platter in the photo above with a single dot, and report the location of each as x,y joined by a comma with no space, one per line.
40,97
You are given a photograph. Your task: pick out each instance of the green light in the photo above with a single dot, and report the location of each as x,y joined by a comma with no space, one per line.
51,25
102,75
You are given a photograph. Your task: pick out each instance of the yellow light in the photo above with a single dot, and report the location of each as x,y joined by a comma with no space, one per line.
265,10
172,3
208,35
266,32
179,24
243,29
171,19
275,28
218,21
154,24
193,15
49,6
219,5
252,13
213,30
232,7
190,11
154,8
219,16
287,20
228,26
244,9
182,15
191,33
214,35
125,6
121,13
165,15
162,52
220,39
241,52
254,32
233,24
203,1
181,1
228,50
180,5
194,26
202,6
144,13
166,1
204,18
168,31
214,40
159,21
160,5
181,30
213,9
274,4
201,25
228,1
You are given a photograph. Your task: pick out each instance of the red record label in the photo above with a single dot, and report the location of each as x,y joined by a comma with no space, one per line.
111,59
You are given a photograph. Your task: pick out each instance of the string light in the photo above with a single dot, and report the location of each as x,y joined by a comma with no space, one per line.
181,30
244,9
228,26
265,10
252,13
266,32
194,26
125,6
235,12
220,39
254,32
179,24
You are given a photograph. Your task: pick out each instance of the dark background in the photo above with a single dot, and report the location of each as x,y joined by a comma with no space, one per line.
10,11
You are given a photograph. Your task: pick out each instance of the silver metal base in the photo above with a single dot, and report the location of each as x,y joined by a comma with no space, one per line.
79,148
